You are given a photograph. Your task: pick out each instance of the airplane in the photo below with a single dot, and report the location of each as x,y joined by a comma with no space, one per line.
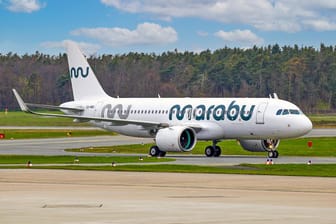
176,124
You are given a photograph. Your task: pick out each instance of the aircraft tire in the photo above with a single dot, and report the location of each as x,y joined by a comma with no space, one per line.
273,154
162,154
209,151
154,151
218,151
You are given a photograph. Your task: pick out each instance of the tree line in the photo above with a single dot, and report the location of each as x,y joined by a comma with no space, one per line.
303,75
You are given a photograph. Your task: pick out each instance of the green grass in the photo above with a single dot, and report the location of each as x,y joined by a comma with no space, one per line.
317,170
298,147
18,118
54,133
291,147
323,120
23,159
7,161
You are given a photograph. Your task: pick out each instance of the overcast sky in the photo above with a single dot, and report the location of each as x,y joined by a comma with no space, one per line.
122,26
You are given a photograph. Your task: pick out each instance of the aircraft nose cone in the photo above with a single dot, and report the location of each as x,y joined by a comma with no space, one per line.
306,125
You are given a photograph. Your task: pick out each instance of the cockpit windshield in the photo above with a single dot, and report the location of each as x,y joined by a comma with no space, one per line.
291,111
288,111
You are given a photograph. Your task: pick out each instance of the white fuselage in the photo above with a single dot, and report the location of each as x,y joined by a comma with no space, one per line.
217,118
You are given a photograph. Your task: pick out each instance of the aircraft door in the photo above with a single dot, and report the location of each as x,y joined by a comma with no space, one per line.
261,113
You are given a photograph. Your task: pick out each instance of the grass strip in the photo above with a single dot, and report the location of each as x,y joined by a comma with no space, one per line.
292,147
315,170
54,133
323,120
23,159
18,118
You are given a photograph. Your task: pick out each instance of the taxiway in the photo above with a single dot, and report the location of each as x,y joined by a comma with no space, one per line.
56,146
89,197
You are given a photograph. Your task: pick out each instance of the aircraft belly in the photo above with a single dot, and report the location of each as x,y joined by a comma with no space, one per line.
128,130
211,131
248,131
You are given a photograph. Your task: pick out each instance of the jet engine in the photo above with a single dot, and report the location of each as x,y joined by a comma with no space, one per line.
260,145
176,139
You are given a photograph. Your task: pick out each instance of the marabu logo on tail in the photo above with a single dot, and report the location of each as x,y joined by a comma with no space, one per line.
79,71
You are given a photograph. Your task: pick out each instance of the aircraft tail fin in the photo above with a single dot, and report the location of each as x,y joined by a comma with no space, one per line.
83,80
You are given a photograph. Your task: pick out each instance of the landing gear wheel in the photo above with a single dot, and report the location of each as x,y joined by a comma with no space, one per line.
209,151
162,153
154,151
218,151
273,154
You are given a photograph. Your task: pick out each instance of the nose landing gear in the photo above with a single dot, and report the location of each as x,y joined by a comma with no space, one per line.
273,154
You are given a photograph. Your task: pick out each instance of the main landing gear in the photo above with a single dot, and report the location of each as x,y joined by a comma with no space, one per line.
273,154
156,152
213,150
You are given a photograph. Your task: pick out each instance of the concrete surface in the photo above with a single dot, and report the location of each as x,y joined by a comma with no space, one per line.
88,197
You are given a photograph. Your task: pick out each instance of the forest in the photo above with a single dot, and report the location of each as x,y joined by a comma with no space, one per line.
303,75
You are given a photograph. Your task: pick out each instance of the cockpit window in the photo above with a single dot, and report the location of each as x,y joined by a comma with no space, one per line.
285,112
288,111
294,111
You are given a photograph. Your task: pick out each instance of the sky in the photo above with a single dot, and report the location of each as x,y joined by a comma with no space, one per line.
148,26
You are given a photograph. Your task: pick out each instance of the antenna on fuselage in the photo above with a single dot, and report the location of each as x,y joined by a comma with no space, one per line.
273,96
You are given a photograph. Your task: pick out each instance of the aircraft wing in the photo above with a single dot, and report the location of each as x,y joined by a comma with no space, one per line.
24,107
45,106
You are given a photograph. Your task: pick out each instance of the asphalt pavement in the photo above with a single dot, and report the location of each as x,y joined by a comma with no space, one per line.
57,146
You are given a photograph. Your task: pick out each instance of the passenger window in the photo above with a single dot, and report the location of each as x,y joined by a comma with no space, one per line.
279,112
285,112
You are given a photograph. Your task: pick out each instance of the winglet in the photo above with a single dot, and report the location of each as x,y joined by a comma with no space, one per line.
22,104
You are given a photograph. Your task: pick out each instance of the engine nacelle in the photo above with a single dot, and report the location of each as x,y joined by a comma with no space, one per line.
260,145
176,139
